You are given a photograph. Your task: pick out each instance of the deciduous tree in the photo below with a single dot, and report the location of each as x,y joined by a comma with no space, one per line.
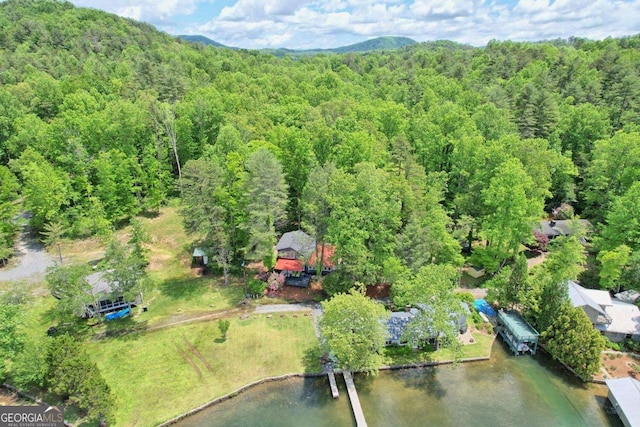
353,330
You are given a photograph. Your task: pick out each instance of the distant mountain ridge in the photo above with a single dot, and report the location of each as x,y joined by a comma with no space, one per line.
202,39
378,43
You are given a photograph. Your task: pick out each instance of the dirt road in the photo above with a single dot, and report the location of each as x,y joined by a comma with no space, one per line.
33,261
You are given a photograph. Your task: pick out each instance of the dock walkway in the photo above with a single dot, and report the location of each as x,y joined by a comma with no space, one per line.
334,386
355,401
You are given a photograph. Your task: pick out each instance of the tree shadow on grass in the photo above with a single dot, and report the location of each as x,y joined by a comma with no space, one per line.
124,329
74,326
311,360
184,287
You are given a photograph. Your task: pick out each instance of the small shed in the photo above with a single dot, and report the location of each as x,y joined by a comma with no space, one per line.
199,257
517,333
624,395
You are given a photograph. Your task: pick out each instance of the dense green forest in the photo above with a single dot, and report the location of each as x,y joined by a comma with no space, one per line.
394,157
410,162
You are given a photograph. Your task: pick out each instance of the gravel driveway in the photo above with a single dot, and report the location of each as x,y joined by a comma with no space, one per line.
33,261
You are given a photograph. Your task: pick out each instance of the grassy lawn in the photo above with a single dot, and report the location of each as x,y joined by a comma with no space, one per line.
161,374
406,355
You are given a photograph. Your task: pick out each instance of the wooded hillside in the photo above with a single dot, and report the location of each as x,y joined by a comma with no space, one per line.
396,158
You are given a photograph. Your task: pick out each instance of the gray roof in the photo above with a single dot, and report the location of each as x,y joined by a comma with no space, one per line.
629,296
625,319
626,393
98,283
398,322
198,252
561,227
581,297
299,241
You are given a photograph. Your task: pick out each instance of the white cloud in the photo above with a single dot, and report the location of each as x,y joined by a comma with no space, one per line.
155,12
330,23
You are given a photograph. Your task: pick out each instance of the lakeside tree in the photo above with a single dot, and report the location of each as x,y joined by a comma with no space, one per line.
354,331
509,284
572,339
547,290
72,375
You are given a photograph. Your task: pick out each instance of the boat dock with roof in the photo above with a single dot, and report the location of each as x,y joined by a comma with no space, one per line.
517,333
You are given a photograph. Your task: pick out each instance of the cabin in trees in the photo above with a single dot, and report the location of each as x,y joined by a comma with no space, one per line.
296,257
615,319
519,335
561,227
295,245
105,300
624,395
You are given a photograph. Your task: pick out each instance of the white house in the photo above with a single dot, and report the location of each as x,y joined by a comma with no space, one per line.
617,320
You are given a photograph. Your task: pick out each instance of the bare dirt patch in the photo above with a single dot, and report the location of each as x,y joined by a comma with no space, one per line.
381,291
619,365
296,294
158,261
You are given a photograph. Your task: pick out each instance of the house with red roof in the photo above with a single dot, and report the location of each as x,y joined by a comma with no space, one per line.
297,253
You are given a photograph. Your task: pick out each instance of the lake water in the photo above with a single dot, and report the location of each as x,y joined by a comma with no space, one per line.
505,391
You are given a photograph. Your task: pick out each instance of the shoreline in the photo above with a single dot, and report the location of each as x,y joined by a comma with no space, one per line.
244,388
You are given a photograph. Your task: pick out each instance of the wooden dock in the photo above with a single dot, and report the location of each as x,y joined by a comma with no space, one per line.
334,386
355,401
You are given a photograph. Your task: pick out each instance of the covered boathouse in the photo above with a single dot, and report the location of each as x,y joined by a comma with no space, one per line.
517,333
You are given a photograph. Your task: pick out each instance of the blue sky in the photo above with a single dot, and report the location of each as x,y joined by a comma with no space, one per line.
301,24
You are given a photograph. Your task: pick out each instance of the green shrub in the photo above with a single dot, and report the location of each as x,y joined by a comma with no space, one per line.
476,319
612,345
256,287
466,297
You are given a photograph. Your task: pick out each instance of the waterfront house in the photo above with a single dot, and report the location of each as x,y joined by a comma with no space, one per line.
399,320
624,395
397,324
615,319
